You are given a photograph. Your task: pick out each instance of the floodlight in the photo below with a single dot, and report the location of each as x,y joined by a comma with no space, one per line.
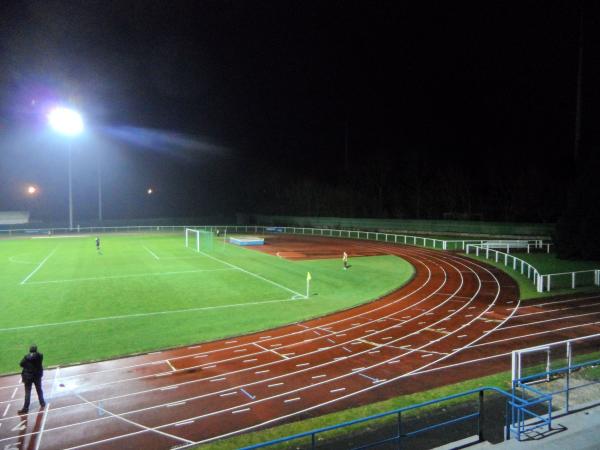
65,121
31,190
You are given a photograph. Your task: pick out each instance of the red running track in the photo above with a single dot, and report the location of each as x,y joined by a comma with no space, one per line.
455,320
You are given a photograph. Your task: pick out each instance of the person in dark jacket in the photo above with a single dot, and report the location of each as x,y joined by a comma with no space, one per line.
32,373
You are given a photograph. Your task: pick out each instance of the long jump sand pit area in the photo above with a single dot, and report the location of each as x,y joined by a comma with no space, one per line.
456,319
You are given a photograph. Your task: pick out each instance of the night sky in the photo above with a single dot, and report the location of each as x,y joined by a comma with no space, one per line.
355,108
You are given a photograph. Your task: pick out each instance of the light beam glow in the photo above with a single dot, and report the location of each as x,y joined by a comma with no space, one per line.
66,121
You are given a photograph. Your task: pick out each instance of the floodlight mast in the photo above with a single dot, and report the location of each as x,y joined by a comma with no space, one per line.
67,122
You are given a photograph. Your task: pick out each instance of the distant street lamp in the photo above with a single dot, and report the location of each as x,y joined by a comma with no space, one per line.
67,122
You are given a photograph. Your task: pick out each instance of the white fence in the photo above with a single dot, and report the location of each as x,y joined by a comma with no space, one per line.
487,248
542,282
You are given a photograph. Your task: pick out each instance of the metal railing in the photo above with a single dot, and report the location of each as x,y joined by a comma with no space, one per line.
517,264
481,247
397,415
542,282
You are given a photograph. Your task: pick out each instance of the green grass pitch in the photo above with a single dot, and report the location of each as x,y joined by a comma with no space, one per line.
145,292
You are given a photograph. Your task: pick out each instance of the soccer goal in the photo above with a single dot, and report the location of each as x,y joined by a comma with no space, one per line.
198,239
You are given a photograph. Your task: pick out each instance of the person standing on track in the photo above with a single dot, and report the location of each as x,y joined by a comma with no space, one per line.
32,373
345,260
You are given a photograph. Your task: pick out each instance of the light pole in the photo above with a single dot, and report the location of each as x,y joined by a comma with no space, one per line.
67,122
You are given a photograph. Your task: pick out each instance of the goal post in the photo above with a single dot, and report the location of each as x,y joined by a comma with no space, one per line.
198,239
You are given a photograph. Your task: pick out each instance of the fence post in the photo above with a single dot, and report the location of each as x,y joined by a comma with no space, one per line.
572,280
481,421
399,429
548,284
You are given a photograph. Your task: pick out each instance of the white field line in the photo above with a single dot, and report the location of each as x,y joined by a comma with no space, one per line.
386,305
429,278
131,422
157,313
62,237
353,393
39,266
278,337
412,252
133,275
252,274
340,344
152,253
316,384
246,385
433,362
230,359
328,363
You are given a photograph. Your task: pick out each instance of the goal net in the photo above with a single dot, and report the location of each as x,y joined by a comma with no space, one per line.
198,239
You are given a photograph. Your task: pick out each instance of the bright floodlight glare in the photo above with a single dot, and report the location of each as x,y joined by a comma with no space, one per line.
66,121
31,190
149,191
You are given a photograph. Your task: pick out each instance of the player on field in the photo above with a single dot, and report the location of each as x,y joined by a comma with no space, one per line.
345,260
98,243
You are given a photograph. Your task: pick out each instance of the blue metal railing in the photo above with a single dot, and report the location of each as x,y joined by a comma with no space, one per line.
527,409
399,435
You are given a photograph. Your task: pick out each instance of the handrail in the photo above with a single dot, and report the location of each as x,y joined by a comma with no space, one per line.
515,400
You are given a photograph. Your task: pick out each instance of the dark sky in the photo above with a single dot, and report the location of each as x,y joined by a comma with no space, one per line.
196,98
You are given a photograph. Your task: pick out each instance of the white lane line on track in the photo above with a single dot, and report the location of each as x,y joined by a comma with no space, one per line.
131,422
171,365
289,400
512,338
380,363
270,351
566,308
227,394
337,390
6,410
38,441
556,302
402,298
417,290
152,253
157,313
238,411
172,405
13,394
353,393
39,266
573,316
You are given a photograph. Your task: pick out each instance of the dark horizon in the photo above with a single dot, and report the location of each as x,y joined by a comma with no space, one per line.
235,106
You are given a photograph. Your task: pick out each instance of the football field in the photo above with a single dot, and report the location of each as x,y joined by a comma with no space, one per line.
144,292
